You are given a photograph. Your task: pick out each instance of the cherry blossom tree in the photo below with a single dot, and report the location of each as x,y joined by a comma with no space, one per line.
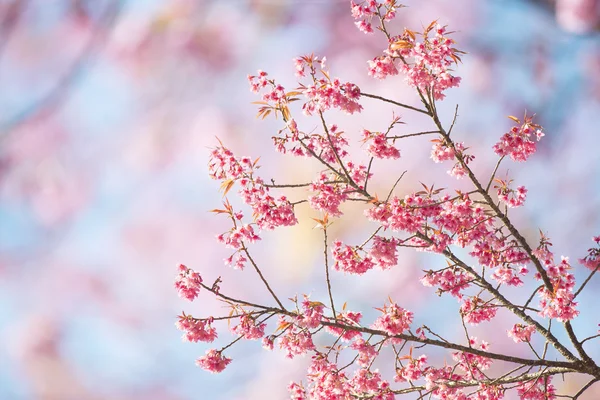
495,272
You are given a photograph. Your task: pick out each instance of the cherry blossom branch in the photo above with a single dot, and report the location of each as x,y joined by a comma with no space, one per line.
584,388
487,187
509,305
297,185
325,252
503,381
413,134
586,282
571,366
258,271
574,366
373,96
522,241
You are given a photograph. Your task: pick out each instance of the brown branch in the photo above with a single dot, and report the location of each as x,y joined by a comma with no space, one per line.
373,96
262,277
327,273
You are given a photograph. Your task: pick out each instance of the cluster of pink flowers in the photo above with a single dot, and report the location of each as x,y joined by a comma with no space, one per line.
349,318
413,370
312,314
384,252
382,66
364,12
196,330
258,82
248,328
399,215
326,382
473,364
329,196
426,64
512,197
395,319
489,392
213,361
431,59
276,96
324,93
270,212
329,145
521,333
538,389
234,238
370,385
517,142
379,145
188,283
441,151
297,392
475,310
559,302
592,259
450,280
348,260
366,352
507,274
435,381
223,165
295,341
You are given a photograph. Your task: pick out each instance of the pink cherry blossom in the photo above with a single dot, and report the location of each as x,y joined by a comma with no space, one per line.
474,310
395,319
412,370
349,318
248,328
196,330
537,389
517,142
366,352
347,259
521,333
296,341
213,361
379,145
188,283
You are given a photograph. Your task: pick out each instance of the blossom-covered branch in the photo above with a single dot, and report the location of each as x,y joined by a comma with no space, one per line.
436,220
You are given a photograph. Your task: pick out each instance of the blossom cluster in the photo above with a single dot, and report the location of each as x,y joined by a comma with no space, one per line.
379,145
443,150
196,330
324,92
517,142
557,302
426,64
521,333
395,319
188,283
512,197
592,259
365,11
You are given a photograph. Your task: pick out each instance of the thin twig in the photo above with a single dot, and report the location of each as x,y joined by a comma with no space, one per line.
373,96
327,273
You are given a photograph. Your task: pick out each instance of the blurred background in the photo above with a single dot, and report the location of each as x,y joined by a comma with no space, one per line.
108,109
